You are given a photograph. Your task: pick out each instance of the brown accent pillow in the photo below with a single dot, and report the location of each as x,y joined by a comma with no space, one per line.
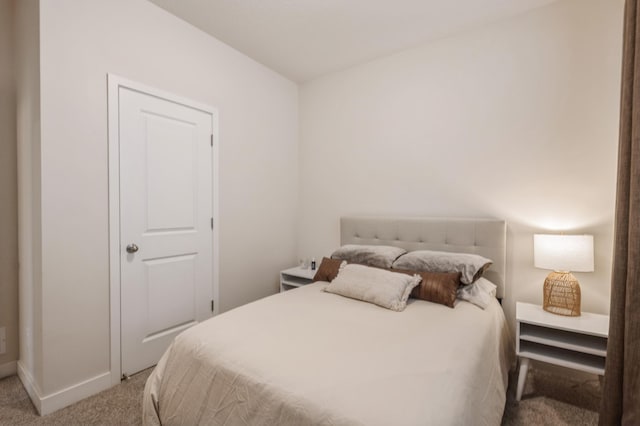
436,287
328,269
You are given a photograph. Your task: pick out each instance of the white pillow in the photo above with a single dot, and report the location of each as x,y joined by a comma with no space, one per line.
479,293
383,288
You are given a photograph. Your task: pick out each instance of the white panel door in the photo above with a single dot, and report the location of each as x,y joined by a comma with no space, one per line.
165,223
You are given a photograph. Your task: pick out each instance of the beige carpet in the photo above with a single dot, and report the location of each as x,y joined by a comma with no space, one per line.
120,405
548,399
553,399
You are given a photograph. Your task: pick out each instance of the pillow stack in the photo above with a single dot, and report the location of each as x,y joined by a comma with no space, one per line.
372,273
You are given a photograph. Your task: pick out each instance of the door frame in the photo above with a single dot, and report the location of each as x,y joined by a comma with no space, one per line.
114,83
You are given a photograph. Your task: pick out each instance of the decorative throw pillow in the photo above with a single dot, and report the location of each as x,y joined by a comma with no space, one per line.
378,256
479,293
471,266
328,269
436,287
381,287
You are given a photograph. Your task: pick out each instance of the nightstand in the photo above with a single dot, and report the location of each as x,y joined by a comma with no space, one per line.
579,343
296,277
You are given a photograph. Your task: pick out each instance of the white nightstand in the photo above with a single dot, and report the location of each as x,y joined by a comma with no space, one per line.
574,342
295,277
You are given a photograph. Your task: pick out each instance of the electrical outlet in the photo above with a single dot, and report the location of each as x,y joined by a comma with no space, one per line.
3,340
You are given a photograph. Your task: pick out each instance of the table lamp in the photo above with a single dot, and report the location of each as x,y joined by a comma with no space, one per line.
562,254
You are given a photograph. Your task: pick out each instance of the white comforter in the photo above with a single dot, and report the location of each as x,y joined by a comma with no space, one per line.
308,357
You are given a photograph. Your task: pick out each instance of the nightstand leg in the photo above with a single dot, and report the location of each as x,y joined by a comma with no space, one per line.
522,377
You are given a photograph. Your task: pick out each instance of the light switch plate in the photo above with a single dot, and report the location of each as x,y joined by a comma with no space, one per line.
3,340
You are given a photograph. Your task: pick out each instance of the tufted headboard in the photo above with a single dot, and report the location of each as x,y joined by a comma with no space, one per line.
486,237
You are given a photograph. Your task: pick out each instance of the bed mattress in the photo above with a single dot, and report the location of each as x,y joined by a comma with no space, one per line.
308,357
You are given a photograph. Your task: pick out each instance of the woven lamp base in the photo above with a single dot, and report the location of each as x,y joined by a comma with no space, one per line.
561,294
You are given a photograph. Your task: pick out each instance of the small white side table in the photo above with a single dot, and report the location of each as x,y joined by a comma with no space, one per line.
296,277
579,343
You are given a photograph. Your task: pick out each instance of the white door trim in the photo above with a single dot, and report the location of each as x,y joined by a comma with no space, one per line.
114,82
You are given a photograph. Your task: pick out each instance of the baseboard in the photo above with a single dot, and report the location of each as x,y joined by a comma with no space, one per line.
30,386
75,393
62,398
8,369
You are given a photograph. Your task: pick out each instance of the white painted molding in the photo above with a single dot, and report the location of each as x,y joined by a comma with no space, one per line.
8,369
64,397
31,386
114,226
75,393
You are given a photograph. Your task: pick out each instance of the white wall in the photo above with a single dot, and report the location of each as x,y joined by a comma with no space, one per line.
8,192
80,43
515,120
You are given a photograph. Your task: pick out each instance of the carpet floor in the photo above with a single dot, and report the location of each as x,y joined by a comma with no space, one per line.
548,400
551,399
119,405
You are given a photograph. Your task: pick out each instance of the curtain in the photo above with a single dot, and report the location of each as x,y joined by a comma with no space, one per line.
621,388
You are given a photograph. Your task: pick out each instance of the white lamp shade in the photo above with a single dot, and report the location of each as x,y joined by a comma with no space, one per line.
563,252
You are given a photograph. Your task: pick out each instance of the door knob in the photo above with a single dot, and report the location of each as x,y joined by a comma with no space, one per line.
132,248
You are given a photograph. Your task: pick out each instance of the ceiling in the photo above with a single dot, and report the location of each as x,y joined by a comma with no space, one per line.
304,39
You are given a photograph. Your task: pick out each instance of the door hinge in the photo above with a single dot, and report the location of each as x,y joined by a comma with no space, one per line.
211,139
212,305
211,223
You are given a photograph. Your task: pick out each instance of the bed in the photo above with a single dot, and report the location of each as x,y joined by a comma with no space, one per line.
306,356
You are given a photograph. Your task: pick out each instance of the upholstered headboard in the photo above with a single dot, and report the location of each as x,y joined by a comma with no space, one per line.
486,237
